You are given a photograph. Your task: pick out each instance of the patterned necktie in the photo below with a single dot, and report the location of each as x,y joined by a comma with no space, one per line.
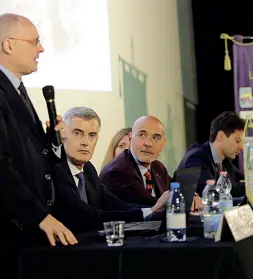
149,182
81,187
26,99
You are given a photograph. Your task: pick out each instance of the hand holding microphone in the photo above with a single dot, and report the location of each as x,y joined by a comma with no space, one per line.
55,125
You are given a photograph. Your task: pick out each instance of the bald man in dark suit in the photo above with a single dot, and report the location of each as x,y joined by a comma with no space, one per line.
124,176
136,175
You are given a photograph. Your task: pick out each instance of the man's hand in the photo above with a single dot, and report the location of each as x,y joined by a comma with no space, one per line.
56,231
196,203
59,127
161,203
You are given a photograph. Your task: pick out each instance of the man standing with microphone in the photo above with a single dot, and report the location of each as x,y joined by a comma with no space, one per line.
26,185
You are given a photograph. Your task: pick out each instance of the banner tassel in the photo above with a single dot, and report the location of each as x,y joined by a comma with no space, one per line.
226,37
227,60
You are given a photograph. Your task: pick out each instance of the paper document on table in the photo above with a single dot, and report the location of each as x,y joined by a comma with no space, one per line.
248,168
236,224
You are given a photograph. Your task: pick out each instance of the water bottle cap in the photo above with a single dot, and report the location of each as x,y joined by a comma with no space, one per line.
174,185
210,182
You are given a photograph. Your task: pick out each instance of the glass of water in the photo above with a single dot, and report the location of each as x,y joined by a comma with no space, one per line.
114,232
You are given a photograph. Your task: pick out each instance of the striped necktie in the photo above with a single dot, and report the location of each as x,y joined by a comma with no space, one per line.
149,182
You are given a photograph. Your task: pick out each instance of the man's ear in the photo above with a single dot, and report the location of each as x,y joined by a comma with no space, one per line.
220,135
7,46
130,136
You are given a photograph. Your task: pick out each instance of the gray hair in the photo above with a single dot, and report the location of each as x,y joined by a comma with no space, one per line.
81,112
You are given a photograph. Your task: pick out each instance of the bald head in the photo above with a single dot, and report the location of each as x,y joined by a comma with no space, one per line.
19,44
10,25
150,120
147,139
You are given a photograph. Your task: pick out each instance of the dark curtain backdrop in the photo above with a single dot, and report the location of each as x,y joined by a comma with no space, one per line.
215,86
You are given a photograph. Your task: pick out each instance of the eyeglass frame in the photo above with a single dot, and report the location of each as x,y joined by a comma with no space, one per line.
34,42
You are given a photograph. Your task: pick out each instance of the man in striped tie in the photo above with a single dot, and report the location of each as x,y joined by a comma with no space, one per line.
136,175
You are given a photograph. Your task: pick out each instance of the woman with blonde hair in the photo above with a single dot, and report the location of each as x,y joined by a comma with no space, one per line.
119,143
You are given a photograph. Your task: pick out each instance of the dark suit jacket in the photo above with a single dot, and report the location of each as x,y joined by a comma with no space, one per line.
102,205
123,178
200,155
26,190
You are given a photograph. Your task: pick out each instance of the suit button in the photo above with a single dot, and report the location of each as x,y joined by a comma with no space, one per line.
48,176
19,225
45,151
49,202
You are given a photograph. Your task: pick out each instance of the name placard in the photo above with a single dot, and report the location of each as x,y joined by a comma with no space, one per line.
236,224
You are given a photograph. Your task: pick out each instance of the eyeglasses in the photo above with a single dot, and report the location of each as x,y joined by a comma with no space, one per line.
34,42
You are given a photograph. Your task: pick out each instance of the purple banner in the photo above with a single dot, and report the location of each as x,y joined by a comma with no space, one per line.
243,81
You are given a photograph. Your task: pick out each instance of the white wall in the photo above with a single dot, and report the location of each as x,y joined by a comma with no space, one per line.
153,26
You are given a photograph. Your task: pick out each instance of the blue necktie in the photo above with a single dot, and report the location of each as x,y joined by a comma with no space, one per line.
81,186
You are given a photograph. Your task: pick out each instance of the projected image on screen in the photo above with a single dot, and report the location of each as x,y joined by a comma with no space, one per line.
75,36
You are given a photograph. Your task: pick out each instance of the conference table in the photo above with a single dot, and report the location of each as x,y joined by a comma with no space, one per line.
141,256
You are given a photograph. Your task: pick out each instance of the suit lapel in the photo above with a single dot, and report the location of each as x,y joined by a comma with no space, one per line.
159,181
136,168
214,167
138,173
20,109
92,185
69,177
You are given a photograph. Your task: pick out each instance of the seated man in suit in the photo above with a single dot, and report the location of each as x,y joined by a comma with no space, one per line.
136,175
225,143
78,179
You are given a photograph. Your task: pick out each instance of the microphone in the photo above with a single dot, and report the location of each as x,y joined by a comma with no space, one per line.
48,92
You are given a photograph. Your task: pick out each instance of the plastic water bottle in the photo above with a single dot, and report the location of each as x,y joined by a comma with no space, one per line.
212,213
175,215
224,187
210,183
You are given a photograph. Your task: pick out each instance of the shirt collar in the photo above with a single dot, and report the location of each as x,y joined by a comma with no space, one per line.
13,79
142,169
73,169
216,158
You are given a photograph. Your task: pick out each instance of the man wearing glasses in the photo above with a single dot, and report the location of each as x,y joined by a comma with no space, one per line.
26,186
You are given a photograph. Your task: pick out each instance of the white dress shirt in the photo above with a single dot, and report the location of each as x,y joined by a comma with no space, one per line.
74,171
